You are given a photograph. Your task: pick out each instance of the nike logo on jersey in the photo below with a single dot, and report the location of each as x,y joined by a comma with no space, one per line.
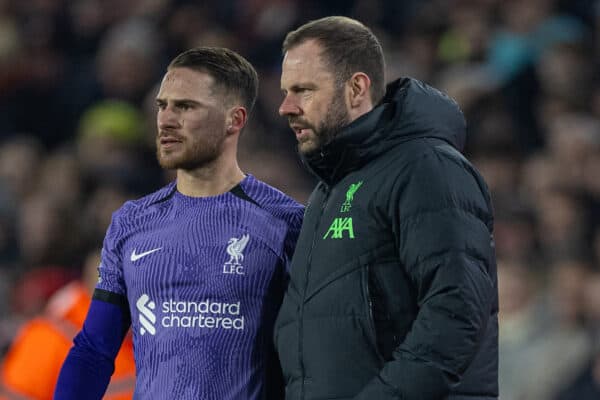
135,257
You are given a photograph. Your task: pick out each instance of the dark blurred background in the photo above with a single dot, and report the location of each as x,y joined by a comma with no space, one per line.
77,126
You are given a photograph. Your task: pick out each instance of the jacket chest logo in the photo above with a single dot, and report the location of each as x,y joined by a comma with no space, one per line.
346,205
343,225
338,227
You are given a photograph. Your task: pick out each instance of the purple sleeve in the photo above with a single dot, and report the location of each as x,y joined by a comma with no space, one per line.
294,224
110,270
89,365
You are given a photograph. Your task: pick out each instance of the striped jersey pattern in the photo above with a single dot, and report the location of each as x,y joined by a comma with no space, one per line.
203,278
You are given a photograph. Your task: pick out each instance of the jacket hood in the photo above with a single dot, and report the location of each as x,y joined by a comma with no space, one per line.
410,109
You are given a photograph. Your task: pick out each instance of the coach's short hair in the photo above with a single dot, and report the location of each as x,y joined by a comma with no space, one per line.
348,47
231,72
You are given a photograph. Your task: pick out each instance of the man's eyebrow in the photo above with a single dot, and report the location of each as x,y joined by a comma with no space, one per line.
178,101
302,85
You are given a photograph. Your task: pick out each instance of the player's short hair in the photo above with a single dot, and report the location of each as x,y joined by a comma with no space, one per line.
348,47
231,72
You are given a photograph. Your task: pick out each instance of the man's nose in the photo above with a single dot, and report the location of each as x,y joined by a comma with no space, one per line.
166,118
289,107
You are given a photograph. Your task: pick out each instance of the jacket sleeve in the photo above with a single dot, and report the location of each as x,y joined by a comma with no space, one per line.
442,221
89,365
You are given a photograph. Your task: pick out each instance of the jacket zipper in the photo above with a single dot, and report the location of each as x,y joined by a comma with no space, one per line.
373,330
306,280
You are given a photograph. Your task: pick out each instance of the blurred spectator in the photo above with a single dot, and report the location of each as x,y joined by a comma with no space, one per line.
279,171
502,171
20,158
521,324
515,234
32,364
128,60
586,386
536,333
529,28
468,33
565,338
561,216
33,289
60,177
125,62
47,232
565,72
98,209
112,146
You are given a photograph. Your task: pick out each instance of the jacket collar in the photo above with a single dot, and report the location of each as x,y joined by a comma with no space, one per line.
410,109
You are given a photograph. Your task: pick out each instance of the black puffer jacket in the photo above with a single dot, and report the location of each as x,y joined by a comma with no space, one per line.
393,291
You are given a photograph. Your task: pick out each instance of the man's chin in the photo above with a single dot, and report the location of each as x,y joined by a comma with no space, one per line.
168,165
170,162
307,148
186,163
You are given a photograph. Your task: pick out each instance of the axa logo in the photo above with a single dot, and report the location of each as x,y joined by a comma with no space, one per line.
339,227
147,317
235,249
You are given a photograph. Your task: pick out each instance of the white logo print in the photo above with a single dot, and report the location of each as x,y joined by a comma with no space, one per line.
135,257
235,248
147,317
205,314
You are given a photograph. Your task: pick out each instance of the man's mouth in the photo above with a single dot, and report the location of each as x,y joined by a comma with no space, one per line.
300,131
169,141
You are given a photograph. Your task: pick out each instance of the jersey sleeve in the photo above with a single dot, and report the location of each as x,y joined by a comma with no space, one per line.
110,270
446,247
89,365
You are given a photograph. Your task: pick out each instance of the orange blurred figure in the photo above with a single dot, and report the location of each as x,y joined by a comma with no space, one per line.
31,366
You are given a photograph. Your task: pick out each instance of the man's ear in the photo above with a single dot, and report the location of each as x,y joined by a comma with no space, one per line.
359,90
236,119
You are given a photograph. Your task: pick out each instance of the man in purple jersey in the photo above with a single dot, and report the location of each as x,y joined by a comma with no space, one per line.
198,268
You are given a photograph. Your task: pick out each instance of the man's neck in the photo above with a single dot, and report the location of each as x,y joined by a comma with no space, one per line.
209,181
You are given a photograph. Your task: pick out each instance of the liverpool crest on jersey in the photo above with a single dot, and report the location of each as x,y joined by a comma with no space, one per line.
235,249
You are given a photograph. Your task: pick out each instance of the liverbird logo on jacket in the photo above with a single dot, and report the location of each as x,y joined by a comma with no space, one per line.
350,196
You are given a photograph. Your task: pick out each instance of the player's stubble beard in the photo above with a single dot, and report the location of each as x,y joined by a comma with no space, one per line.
198,151
335,119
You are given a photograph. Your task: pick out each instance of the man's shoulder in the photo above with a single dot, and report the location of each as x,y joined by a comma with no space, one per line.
134,206
271,199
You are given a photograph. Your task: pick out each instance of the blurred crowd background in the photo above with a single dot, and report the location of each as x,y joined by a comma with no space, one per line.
77,126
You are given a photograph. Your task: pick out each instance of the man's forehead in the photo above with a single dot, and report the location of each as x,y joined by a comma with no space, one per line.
182,75
304,63
187,80
309,51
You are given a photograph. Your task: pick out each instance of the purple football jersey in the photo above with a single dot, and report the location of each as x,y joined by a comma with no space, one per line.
204,278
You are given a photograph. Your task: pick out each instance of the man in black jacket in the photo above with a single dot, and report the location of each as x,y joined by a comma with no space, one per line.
393,291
